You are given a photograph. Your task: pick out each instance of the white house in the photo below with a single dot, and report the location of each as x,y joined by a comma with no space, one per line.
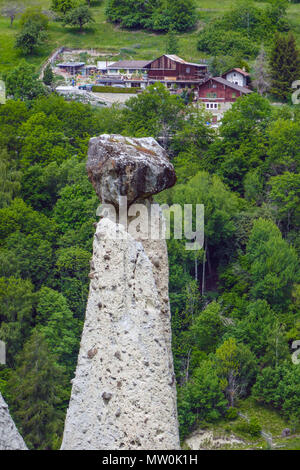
238,77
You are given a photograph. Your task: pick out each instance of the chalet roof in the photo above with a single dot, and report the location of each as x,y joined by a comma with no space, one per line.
237,69
175,58
129,64
222,80
71,64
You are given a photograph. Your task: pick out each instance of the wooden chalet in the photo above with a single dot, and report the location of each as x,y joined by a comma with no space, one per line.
218,94
171,68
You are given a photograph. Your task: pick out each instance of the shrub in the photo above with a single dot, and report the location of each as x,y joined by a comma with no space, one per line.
222,42
254,427
231,413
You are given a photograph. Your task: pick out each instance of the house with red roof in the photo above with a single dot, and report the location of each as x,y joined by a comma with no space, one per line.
217,95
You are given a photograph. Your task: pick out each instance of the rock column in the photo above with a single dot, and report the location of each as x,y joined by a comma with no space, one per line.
124,394
10,439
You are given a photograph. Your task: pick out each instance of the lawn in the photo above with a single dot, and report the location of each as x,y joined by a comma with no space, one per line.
107,38
271,421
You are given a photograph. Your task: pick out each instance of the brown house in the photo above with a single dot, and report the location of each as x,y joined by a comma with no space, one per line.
171,68
218,94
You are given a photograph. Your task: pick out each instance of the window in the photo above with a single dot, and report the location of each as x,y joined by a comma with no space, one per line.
211,95
211,105
188,69
214,85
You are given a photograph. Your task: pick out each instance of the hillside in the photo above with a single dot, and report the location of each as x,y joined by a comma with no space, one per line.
108,38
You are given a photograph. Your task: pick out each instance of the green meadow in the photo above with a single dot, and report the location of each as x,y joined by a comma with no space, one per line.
110,39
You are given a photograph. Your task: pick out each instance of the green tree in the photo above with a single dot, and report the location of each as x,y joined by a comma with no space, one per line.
221,207
236,368
9,180
16,314
172,46
207,329
181,14
43,140
12,114
190,145
284,65
284,146
48,75
30,37
272,264
285,195
22,82
242,146
253,327
201,399
154,112
34,15
73,268
79,16
37,390
55,321
228,369
32,255
280,388
156,15
62,6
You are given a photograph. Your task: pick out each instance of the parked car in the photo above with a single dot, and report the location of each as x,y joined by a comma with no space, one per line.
85,87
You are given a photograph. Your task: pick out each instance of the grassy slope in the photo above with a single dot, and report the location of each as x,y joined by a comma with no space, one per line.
271,421
109,38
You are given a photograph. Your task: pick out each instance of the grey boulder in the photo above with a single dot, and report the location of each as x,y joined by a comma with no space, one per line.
123,166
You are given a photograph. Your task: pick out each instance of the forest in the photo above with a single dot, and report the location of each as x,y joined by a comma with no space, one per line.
235,303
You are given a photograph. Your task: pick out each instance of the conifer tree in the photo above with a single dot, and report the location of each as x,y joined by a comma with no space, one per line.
48,76
36,389
284,65
172,43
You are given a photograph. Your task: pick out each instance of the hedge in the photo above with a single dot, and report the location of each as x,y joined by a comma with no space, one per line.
112,89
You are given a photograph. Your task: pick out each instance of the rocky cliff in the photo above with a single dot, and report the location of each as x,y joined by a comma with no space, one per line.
10,438
124,394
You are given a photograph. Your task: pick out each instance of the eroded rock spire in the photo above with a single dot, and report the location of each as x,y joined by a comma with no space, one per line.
10,438
124,394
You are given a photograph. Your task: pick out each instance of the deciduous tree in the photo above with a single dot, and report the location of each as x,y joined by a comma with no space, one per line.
12,10
79,16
